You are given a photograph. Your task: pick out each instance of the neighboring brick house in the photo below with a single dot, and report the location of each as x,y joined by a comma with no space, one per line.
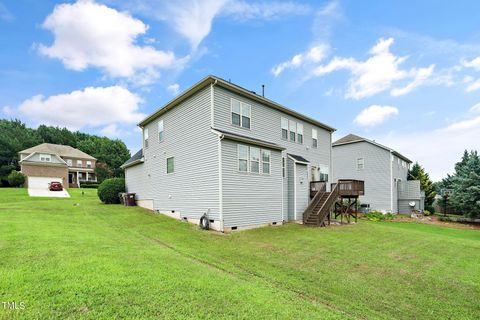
54,162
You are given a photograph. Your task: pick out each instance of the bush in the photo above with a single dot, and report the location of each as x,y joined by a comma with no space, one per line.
89,185
427,213
15,179
378,216
109,189
430,209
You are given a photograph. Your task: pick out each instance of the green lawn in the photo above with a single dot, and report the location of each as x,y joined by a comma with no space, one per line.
77,258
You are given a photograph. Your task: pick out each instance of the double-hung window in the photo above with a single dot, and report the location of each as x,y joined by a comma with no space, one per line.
293,130
242,158
89,164
254,160
314,138
241,114
360,164
160,131
79,163
45,157
145,137
170,165
69,162
300,132
285,128
265,161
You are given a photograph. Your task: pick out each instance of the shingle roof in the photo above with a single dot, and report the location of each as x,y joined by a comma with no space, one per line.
239,137
352,138
136,157
58,149
298,158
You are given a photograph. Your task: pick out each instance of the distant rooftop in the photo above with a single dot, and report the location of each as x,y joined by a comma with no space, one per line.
58,149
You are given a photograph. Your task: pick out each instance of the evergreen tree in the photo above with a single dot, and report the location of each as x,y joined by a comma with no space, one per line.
417,172
466,185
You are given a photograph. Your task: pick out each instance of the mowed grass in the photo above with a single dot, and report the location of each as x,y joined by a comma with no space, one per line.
78,258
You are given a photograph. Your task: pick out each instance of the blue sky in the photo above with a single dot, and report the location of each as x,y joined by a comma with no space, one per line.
403,73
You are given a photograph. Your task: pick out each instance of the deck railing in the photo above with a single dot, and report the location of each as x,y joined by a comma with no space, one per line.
350,187
316,186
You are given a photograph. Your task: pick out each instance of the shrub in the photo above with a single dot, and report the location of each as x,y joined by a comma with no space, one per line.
378,216
430,209
427,213
15,179
109,189
89,185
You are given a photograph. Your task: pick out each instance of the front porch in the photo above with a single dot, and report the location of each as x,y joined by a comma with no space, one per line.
75,178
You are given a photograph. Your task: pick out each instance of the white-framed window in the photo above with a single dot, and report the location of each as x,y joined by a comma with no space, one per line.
285,128
170,165
265,161
241,114
89,164
324,171
283,167
69,162
404,163
145,137
314,138
45,157
399,161
160,131
79,163
300,132
293,130
360,164
243,158
254,160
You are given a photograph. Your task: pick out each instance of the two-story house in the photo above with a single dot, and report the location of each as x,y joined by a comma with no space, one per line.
223,150
48,162
383,170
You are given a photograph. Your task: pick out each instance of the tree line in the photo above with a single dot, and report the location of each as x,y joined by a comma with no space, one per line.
16,136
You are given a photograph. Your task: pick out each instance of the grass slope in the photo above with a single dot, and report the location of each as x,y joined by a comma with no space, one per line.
77,258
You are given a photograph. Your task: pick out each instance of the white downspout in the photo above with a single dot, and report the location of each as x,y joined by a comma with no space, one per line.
220,181
391,182
283,182
295,190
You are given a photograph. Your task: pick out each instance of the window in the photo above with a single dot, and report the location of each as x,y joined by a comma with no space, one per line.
293,129
360,164
284,128
324,170
254,160
300,132
404,164
265,161
283,167
241,114
79,163
160,130
242,158
89,164
314,138
145,137
45,157
170,165
69,162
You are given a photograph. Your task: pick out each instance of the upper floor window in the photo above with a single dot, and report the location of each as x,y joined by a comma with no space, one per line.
314,138
360,164
145,137
285,128
254,160
79,163
160,131
170,165
89,164
69,162
300,132
293,130
241,114
265,161
45,157
404,164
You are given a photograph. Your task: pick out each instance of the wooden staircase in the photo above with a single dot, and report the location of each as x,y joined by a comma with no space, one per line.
318,211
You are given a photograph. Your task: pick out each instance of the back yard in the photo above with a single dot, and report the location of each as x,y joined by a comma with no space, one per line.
77,258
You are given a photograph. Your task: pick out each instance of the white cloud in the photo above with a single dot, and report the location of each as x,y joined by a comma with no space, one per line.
475,63
475,108
90,34
376,74
464,125
374,115
174,88
473,85
7,110
263,10
90,107
313,55
110,131
5,14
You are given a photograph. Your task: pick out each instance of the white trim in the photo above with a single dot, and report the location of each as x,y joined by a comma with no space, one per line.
297,161
294,190
330,176
220,182
212,102
391,181
283,182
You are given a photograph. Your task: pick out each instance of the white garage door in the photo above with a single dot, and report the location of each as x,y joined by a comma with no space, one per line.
41,182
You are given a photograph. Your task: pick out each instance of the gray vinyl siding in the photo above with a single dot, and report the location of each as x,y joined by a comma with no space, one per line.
408,192
250,198
376,173
266,125
398,172
193,188
36,158
136,181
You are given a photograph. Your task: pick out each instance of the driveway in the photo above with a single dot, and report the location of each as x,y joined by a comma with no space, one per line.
44,192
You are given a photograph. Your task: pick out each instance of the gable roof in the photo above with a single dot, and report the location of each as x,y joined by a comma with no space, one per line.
352,138
58,149
234,88
135,159
245,139
298,158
